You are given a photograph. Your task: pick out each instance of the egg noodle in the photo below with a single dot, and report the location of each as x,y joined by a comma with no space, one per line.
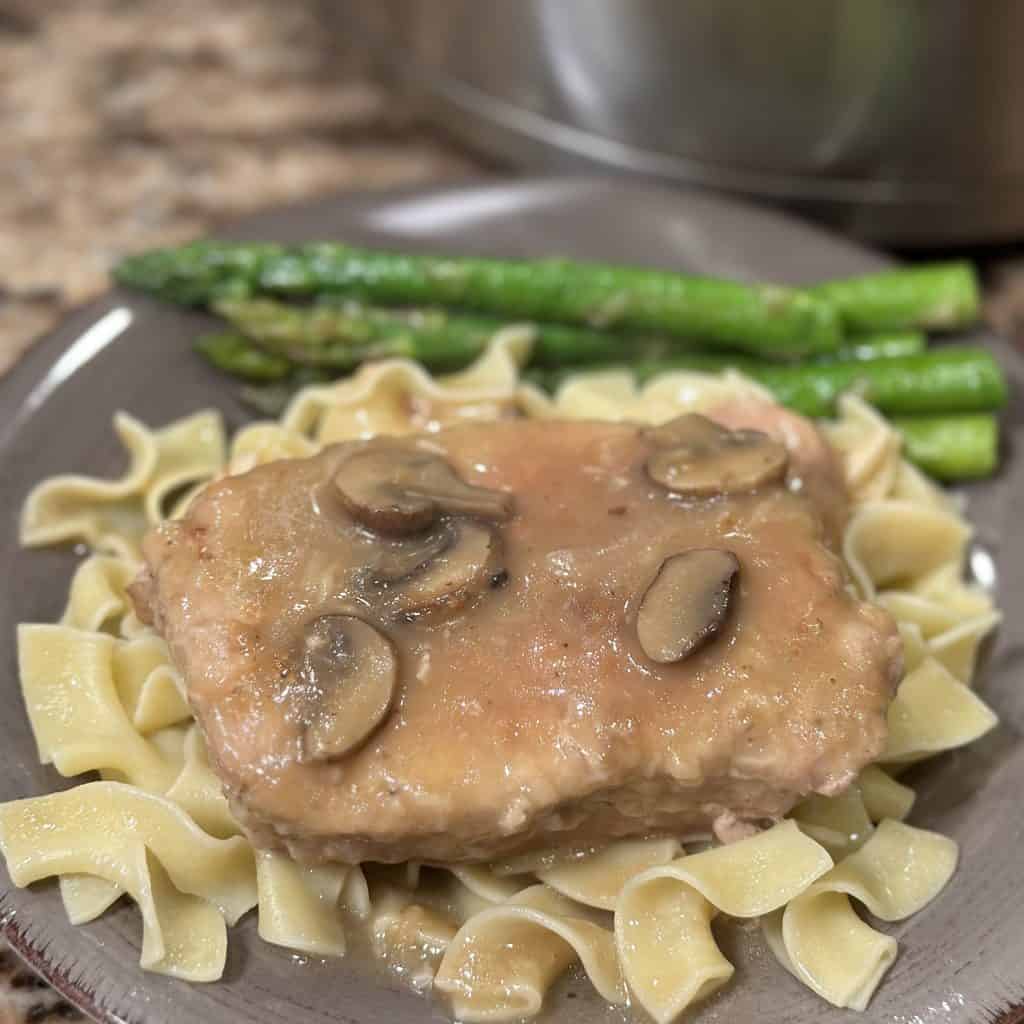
103,697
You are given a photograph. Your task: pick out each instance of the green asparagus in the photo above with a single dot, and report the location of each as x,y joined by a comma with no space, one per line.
945,380
951,447
767,320
236,355
940,296
341,335
883,345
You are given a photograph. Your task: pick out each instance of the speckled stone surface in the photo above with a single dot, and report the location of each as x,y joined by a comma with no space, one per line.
27,999
131,123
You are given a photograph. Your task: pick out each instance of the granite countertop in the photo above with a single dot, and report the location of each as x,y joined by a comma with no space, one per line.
131,123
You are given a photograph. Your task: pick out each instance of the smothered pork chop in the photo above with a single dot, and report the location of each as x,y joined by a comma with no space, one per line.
525,634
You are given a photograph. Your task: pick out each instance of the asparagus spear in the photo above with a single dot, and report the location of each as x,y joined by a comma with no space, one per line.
945,380
951,447
767,320
242,357
883,345
939,296
343,335
236,355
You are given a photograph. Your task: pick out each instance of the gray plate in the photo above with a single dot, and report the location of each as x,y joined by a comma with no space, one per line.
961,960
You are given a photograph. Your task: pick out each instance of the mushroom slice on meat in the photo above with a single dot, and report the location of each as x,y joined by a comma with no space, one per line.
697,458
349,674
445,569
686,604
401,490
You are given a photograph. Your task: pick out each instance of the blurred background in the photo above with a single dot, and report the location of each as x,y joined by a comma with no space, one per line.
130,123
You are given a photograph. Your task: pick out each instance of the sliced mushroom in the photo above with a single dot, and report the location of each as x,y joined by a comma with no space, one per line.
699,459
396,558
458,563
399,490
686,604
689,429
350,670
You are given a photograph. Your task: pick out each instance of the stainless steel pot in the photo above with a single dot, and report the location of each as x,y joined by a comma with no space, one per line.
899,120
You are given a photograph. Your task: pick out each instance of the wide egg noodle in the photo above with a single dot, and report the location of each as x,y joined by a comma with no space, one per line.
298,905
98,599
112,515
821,940
86,897
888,542
395,396
118,833
840,823
906,546
614,395
933,712
666,947
481,880
398,396
197,791
598,880
958,648
183,936
50,835
355,893
150,687
663,916
844,958
73,703
915,649
883,796
502,961
145,686
953,620
869,449
260,443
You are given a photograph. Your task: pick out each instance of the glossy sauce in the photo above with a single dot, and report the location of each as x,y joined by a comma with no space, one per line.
531,718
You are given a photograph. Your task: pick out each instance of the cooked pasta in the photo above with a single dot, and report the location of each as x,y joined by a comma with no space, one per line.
503,959
299,905
111,516
598,879
103,697
819,937
663,916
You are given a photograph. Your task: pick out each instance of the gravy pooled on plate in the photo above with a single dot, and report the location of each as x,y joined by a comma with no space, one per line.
524,634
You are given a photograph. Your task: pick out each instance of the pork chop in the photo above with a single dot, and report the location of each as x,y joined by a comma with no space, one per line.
520,635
